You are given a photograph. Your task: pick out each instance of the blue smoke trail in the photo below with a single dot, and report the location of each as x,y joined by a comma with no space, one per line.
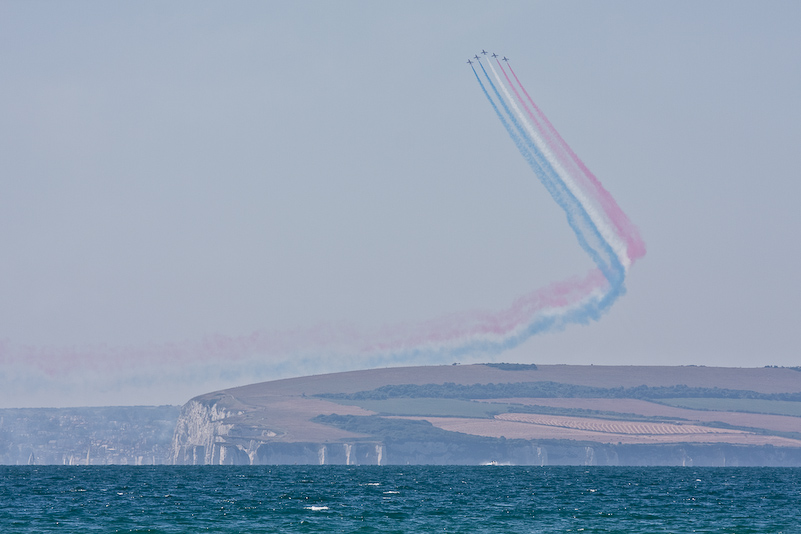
578,219
576,213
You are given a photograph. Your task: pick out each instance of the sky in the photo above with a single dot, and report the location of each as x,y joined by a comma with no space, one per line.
179,179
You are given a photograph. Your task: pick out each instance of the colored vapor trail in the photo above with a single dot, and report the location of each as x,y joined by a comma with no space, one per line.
601,228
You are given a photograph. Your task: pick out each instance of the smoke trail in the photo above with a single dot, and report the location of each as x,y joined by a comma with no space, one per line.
606,234
560,166
625,228
592,229
578,217
601,228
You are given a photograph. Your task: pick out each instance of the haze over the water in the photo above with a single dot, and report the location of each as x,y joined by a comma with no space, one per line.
187,181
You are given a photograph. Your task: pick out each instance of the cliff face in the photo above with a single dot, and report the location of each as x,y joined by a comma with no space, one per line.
208,432
200,434
357,453
589,454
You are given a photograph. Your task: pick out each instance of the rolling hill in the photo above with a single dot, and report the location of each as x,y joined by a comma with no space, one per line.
502,413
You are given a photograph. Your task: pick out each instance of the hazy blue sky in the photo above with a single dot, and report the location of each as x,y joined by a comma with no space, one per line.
178,170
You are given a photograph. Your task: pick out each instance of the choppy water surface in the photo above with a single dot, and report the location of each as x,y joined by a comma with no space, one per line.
399,499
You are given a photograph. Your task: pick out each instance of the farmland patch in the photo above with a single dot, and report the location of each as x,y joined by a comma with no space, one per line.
611,427
499,428
776,407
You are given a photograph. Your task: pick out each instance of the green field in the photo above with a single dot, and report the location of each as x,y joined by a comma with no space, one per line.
428,407
775,407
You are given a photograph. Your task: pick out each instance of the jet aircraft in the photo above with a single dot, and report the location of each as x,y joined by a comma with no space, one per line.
505,58
477,58
494,55
484,52
469,62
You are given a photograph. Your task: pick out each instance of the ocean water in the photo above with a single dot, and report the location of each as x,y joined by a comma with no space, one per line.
394,499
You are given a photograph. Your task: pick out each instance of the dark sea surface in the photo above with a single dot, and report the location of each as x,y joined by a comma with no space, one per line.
399,499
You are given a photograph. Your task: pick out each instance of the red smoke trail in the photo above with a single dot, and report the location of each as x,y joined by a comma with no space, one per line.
635,244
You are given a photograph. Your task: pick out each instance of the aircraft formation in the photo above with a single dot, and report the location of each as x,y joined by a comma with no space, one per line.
484,53
602,229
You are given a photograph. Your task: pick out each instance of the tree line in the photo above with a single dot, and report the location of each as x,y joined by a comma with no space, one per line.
450,390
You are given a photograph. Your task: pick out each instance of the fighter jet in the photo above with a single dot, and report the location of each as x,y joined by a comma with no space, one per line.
494,55
505,58
477,58
484,52
469,62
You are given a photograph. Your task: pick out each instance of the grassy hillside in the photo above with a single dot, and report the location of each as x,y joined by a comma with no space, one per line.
761,380
758,405
616,405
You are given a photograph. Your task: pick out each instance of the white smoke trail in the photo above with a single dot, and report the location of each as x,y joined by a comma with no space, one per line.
600,222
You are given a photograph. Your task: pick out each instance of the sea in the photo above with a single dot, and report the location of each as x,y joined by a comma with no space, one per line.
399,499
